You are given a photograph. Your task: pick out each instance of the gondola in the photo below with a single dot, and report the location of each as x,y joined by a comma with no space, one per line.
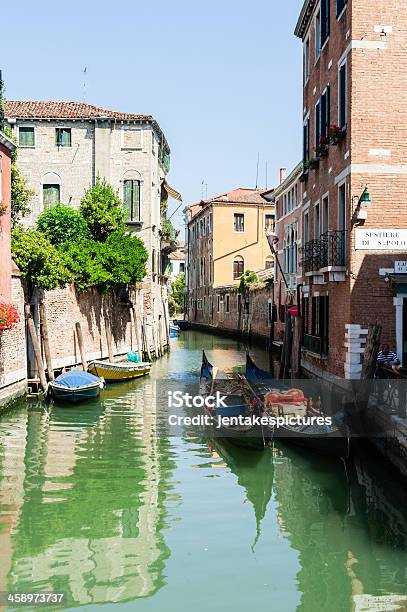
238,404
328,439
75,386
182,324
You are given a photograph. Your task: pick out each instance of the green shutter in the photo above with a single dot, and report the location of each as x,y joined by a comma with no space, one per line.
127,196
342,96
26,137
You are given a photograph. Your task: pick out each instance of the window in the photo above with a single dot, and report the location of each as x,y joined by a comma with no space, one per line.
238,267
342,96
317,123
26,136
320,320
317,221
269,262
305,314
182,267
325,214
132,138
305,229
342,207
227,305
239,222
63,137
325,112
210,223
340,6
269,223
317,35
325,20
306,60
51,195
131,200
306,143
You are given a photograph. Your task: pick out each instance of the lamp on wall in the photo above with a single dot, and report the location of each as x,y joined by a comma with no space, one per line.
363,201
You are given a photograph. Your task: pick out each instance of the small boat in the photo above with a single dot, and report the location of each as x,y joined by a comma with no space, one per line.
122,370
182,324
76,386
238,404
174,330
330,439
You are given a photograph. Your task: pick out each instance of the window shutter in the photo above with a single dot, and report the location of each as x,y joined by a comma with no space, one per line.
342,96
317,122
127,189
325,20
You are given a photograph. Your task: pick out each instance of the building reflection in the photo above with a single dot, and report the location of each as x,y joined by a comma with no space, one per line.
351,539
91,511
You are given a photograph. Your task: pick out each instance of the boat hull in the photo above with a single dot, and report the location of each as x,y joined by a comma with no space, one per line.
74,396
332,443
118,372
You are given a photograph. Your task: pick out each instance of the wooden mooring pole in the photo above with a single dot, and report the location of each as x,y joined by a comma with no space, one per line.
45,339
109,341
81,346
146,339
135,325
36,347
167,327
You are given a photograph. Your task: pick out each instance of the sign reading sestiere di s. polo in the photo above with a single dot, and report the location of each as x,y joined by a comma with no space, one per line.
381,239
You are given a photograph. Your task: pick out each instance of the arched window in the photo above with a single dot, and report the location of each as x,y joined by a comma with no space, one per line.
269,262
238,267
51,190
132,196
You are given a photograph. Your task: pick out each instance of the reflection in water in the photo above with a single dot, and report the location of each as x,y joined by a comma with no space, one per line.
91,504
88,495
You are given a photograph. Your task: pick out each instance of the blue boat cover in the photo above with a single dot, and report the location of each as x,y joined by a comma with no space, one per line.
70,380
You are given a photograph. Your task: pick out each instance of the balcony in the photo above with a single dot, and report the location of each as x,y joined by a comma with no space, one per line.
325,253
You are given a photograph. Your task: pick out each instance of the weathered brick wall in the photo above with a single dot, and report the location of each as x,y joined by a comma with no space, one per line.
12,345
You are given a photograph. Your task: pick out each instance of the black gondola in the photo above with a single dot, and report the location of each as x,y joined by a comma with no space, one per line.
329,439
238,404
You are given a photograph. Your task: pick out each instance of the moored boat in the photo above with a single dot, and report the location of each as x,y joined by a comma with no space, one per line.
76,386
182,324
120,371
331,439
237,404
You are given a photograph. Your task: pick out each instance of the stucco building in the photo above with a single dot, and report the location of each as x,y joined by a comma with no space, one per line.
64,146
354,180
226,236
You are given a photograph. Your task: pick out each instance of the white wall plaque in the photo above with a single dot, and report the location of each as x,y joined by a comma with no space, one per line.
400,267
381,239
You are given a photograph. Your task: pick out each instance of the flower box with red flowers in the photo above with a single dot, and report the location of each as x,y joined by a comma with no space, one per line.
322,148
336,134
9,316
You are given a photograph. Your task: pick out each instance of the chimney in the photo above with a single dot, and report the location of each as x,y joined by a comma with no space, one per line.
283,175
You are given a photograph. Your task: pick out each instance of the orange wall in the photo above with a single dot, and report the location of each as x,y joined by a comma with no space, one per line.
5,226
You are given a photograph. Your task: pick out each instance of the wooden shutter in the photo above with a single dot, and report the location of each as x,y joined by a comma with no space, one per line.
325,20
342,96
317,123
127,199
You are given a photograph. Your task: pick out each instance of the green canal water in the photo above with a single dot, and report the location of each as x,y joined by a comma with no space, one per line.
97,502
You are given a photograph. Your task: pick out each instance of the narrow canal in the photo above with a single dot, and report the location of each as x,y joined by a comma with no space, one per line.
96,503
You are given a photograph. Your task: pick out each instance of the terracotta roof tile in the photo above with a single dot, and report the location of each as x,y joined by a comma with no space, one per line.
29,109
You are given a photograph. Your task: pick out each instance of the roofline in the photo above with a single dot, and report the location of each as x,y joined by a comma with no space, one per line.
149,119
291,178
7,142
206,205
303,19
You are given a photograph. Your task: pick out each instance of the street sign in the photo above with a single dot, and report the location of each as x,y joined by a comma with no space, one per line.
400,267
381,239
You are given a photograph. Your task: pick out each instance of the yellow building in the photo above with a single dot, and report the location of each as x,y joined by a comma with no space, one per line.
226,236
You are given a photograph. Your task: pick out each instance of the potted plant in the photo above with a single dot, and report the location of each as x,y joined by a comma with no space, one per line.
312,163
336,134
9,316
322,148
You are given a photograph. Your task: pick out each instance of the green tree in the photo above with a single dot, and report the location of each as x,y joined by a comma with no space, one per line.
102,209
62,224
247,280
39,261
118,261
178,287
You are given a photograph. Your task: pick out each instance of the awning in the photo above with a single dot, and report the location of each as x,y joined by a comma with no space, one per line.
171,191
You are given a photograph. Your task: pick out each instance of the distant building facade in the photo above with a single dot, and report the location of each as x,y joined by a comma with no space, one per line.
177,261
226,236
354,181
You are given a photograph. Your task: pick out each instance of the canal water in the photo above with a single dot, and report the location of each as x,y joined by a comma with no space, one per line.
97,503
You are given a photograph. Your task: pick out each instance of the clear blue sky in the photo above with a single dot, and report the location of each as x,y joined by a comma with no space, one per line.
222,78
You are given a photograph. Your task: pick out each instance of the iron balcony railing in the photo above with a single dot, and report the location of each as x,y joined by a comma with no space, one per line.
328,250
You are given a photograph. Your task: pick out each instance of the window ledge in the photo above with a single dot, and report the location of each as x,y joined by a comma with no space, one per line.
333,269
135,223
319,356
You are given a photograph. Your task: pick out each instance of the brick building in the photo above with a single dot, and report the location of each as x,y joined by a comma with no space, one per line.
226,236
6,149
354,180
287,198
